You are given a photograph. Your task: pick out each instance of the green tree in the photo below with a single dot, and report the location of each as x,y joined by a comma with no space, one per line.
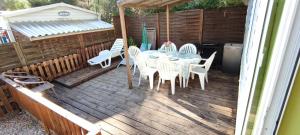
106,8
15,4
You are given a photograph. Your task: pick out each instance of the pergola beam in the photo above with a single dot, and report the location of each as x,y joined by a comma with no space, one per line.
148,3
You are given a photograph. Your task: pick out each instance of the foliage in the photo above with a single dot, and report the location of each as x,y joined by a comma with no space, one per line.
207,4
15,4
106,8
131,42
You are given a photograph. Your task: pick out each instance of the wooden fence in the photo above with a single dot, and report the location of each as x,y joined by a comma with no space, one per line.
25,53
53,117
190,26
53,68
8,57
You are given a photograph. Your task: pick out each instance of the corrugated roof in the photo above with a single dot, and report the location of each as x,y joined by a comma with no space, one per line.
50,28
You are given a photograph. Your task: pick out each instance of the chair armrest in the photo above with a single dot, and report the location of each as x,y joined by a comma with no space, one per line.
197,65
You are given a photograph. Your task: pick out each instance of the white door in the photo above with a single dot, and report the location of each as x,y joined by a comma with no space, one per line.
257,21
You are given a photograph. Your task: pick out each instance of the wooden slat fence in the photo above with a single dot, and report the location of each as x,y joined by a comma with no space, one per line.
8,57
190,26
53,68
47,49
53,117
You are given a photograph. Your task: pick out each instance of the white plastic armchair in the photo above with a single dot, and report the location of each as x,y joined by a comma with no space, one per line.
188,48
169,48
145,71
167,71
103,59
202,70
133,52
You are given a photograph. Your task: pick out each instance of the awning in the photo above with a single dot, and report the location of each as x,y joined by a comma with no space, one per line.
49,29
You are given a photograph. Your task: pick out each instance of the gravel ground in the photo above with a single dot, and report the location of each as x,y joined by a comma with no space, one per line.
20,124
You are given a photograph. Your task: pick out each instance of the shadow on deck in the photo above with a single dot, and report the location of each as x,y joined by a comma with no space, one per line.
107,101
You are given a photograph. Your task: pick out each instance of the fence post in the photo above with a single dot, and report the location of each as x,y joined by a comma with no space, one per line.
158,31
20,53
81,42
201,26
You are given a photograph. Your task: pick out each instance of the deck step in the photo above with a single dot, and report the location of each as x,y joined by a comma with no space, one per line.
80,76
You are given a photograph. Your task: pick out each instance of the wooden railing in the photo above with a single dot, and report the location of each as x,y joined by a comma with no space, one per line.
51,69
53,117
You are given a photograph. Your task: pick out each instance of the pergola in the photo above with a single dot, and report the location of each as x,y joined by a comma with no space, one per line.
122,4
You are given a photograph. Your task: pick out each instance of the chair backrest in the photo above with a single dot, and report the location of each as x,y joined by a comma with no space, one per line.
133,52
166,69
105,53
141,63
209,61
188,48
117,47
170,48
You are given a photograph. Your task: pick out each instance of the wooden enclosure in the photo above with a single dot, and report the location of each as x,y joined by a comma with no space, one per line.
190,26
53,117
71,51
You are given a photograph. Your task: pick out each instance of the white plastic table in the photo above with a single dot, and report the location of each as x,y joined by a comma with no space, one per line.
183,60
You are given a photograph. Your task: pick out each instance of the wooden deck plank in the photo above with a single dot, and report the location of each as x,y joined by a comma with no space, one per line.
83,75
107,101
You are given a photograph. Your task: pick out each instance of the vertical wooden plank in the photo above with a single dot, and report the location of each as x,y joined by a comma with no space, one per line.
87,55
33,69
66,59
62,63
201,26
26,69
158,31
41,71
58,67
81,41
71,58
168,22
75,56
52,68
124,35
47,70
91,52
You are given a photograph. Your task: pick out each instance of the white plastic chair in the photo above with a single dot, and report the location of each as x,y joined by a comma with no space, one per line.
170,48
133,52
167,71
188,48
202,70
104,57
145,71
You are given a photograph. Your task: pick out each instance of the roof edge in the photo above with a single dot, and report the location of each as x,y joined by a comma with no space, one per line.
36,9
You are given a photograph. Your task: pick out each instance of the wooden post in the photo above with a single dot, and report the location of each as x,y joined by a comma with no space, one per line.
20,54
124,35
81,42
168,22
201,26
158,31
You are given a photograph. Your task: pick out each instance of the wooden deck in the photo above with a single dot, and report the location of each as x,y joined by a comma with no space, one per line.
107,101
